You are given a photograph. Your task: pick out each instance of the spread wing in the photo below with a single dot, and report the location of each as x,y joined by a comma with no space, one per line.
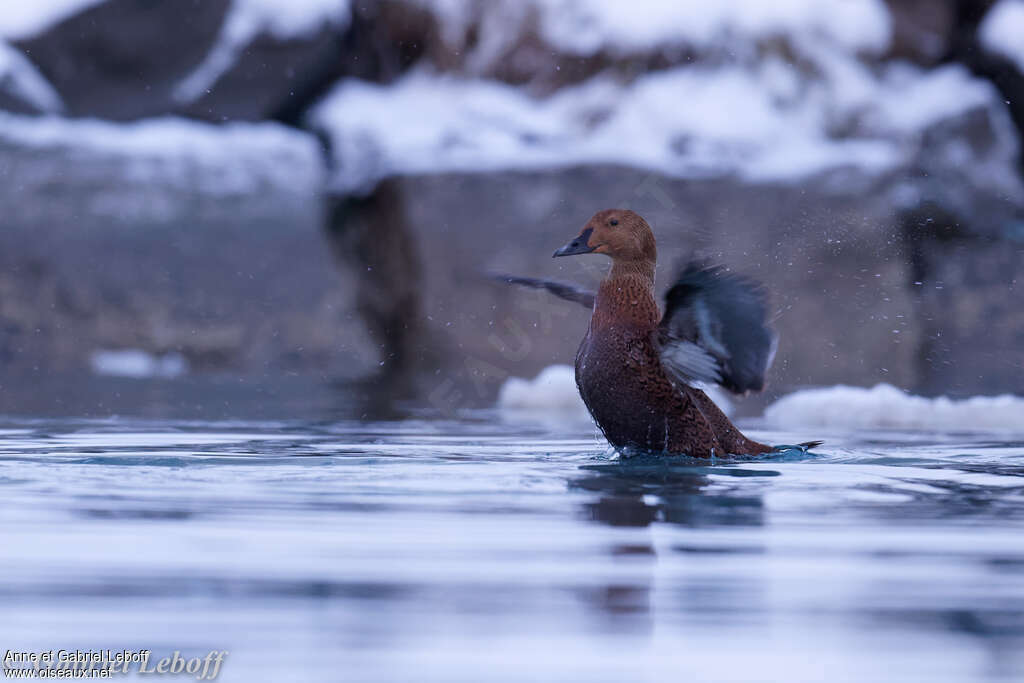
715,329
560,289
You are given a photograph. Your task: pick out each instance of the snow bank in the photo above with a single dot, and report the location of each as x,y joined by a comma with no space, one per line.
554,392
757,122
248,19
776,91
20,78
584,27
1002,30
282,18
26,18
886,407
235,158
287,19
137,364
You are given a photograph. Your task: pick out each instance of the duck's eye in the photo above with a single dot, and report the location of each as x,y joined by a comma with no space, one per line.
613,222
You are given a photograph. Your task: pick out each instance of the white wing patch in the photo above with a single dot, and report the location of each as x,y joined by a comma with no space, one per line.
716,330
690,363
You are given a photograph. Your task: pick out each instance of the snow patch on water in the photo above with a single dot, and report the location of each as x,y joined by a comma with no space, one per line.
137,363
1002,30
886,407
554,392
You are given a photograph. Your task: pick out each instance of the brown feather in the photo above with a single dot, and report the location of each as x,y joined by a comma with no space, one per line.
618,367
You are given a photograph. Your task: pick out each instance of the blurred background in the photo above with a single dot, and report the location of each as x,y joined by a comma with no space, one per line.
305,195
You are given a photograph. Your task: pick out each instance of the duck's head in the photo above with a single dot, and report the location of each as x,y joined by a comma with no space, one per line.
620,233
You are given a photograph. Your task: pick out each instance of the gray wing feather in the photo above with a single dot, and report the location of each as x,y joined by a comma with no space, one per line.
716,323
560,289
689,363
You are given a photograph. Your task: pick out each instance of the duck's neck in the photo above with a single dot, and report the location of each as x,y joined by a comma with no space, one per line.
626,297
640,270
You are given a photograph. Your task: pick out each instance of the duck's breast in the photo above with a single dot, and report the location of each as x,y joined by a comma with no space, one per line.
621,380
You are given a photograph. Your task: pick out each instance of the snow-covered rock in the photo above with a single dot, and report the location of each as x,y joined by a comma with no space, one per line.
472,135
760,124
586,27
217,60
776,138
167,236
116,59
265,52
821,210
237,159
26,19
22,88
923,30
763,92
1002,31
543,40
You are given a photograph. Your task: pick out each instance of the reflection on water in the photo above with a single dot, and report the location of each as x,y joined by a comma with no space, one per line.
473,550
638,492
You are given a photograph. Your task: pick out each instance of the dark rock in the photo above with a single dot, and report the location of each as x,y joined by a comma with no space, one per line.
967,296
279,78
948,31
922,30
1006,75
835,266
1009,79
170,236
130,59
122,59
547,46
271,78
389,36
828,240
370,237
23,90
131,247
964,232
10,101
964,166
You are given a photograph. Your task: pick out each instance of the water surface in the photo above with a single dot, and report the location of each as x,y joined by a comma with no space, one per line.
477,549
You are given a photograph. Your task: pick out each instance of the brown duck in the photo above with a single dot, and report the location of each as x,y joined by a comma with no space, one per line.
638,371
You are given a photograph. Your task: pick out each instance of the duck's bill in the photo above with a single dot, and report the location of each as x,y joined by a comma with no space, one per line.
580,245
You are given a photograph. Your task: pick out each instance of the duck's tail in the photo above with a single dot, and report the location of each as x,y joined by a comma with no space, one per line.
804,446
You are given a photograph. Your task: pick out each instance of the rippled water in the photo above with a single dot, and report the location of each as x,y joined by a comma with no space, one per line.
473,550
